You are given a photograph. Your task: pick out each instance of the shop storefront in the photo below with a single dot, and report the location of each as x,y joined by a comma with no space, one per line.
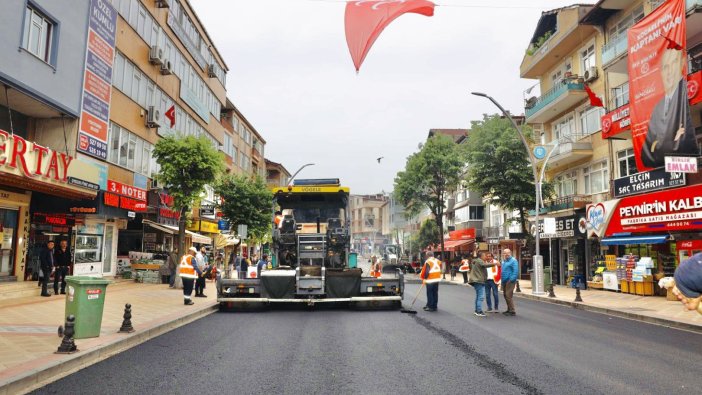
14,227
642,238
565,259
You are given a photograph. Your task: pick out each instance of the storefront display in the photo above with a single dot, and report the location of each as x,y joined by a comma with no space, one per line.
88,248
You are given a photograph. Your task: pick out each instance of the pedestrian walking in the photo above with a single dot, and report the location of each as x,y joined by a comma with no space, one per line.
478,276
491,284
465,268
202,263
62,262
261,265
431,274
189,272
46,260
688,283
172,265
510,268
243,267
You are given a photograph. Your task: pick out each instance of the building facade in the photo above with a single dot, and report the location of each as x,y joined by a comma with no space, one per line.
367,223
276,174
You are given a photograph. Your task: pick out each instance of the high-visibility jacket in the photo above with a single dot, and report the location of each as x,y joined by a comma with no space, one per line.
465,266
187,266
494,273
434,271
278,220
375,271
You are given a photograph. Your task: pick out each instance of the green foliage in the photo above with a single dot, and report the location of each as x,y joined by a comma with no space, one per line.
539,42
428,234
187,165
499,167
429,176
246,201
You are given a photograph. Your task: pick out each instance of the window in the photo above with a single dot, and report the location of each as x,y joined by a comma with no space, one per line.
590,120
622,26
620,95
476,212
567,184
588,57
37,35
228,146
564,128
596,178
128,150
627,163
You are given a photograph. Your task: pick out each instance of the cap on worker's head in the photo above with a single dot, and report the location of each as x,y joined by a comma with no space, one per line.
193,249
688,276
430,254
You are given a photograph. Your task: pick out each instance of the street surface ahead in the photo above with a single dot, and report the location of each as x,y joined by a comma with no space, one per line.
545,349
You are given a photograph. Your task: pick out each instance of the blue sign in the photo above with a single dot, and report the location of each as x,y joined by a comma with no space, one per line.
539,152
223,224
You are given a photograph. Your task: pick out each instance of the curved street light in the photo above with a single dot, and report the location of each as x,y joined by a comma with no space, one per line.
538,262
290,180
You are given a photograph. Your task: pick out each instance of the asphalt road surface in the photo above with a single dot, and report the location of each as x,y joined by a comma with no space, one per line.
545,349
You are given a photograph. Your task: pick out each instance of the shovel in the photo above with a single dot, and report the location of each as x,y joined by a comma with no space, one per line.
410,310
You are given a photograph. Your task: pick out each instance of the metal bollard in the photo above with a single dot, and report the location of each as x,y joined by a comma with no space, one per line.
68,345
577,295
551,294
127,322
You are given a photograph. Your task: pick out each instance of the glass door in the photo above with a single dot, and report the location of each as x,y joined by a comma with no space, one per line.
107,260
8,231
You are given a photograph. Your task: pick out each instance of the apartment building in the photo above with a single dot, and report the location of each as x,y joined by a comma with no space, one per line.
276,174
367,223
243,146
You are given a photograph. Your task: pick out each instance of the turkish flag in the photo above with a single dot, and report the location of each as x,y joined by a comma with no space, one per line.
171,115
594,100
366,19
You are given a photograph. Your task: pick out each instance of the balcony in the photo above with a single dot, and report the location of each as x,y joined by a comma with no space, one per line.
555,101
570,202
694,19
614,49
493,232
571,148
568,37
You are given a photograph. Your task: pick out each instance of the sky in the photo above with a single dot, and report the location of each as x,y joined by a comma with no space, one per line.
291,75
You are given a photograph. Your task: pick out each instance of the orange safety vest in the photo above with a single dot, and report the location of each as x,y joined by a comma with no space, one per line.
465,266
434,275
278,219
186,268
375,271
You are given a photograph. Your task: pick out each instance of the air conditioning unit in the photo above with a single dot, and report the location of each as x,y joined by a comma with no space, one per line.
163,3
166,67
153,117
590,74
156,55
211,71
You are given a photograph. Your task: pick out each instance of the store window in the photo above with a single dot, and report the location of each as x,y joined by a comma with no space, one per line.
8,221
590,120
596,178
38,34
627,162
566,184
620,95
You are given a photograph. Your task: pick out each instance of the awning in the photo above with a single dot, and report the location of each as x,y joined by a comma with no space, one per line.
626,240
221,241
195,237
453,245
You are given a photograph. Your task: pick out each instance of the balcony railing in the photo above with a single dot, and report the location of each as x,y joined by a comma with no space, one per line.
564,203
551,95
494,231
614,49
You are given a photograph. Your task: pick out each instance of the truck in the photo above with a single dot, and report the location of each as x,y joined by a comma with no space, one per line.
311,256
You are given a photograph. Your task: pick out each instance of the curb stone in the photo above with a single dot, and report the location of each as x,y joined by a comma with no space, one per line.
36,378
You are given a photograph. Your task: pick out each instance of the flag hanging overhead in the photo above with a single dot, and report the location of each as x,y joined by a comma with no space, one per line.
366,19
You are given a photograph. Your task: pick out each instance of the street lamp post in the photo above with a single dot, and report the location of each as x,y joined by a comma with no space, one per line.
290,180
538,260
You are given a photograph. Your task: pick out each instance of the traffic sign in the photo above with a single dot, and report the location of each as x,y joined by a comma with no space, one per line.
539,152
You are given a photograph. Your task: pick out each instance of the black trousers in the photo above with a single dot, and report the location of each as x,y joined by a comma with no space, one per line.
44,281
465,277
199,285
188,287
61,271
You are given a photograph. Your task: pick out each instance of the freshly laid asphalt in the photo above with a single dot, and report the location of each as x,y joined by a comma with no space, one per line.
545,349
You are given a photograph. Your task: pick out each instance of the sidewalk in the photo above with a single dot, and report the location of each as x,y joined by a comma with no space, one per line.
652,309
29,337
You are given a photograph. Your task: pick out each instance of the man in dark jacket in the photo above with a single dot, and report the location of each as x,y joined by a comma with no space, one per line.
62,262
478,277
46,260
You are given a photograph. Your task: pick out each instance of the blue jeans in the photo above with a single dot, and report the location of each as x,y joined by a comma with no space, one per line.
491,288
479,296
432,295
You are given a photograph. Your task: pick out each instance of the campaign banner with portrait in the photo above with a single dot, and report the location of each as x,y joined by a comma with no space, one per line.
660,112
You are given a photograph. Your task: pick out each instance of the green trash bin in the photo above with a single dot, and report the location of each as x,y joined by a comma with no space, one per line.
353,260
85,299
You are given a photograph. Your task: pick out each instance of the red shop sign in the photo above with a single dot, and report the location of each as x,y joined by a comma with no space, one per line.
615,122
670,210
689,245
126,190
131,204
462,234
694,82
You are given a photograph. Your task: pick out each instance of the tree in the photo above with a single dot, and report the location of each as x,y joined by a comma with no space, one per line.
187,165
246,201
499,167
428,234
429,177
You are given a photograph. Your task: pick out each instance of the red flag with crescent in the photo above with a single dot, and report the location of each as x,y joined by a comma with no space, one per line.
366,19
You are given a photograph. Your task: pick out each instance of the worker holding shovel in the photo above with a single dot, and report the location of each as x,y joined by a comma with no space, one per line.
431,274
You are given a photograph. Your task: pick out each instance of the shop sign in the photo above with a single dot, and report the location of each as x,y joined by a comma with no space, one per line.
207,211
223,224
97,80
570,226
126,190
191,99
462,234
123,202
615,122
204,226
493,240
149,237
168,213
681,164
191,47
694,81
53,219
647,181
31,160
665,211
